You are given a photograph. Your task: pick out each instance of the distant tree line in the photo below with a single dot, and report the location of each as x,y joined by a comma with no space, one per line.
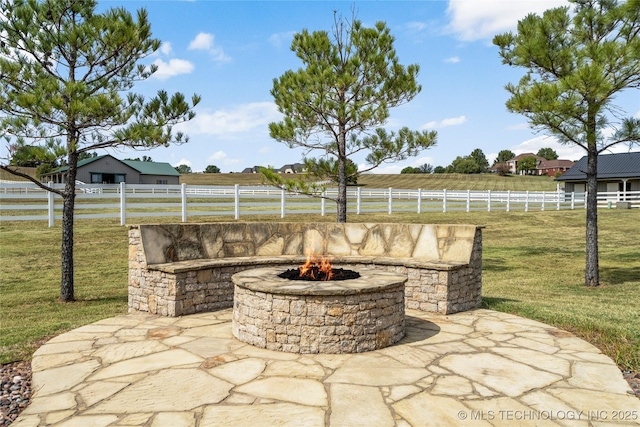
476,162
425,168
45,159
185,169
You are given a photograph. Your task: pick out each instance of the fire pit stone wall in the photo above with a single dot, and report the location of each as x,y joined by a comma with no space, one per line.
350,316
179,269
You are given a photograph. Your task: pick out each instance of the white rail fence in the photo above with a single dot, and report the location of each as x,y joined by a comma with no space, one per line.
26,201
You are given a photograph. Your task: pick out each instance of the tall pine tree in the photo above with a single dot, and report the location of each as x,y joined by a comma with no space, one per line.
576,62
66,74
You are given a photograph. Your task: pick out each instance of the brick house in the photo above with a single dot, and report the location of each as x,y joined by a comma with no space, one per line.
543,166
553,167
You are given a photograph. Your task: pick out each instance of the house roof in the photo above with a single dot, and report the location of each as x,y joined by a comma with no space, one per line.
296,167
144,168
559,163
621,165
151,168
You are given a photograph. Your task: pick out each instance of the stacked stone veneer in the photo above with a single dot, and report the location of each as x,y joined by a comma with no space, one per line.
179,269
368,317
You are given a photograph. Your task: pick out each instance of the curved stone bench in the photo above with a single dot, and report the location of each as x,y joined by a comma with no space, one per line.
179,269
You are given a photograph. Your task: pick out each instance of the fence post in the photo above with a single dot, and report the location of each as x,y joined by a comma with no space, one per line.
236,201
358,200
526,202
183,194
468,200
489,201
282,203
573,200
558,200
50,205
123,204
323,203
444,200
390,201
543,197
419,200
508,200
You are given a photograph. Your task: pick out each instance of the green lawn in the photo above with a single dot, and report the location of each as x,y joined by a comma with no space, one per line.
533,267
407,181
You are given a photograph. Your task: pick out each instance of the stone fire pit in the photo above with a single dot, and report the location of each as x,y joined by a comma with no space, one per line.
347,316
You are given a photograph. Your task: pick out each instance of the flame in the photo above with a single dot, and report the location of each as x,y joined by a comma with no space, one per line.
325,267
306,267
320,264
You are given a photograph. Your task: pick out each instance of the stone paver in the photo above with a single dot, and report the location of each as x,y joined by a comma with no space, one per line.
478,368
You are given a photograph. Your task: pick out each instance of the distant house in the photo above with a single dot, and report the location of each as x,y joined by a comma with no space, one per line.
543,166
513,163
553,167
292,168
109,170
254,169
616,172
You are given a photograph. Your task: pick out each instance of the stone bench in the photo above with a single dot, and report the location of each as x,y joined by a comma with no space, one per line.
180,269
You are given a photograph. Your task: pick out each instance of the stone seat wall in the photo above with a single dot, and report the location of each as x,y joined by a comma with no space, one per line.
178,269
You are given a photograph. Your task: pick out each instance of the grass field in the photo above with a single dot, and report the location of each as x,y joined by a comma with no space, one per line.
407,181
533,267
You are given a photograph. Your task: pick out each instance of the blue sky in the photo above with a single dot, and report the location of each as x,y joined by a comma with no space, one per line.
229,52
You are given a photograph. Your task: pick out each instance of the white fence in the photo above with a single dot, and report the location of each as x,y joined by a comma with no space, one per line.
26,201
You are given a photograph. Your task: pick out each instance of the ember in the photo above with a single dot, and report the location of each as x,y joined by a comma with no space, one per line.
315,274
318,270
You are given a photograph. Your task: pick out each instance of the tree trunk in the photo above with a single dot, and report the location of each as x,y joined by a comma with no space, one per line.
592,276
69,198
341,200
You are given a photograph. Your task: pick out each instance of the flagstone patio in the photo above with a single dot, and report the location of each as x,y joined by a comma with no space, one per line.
478,368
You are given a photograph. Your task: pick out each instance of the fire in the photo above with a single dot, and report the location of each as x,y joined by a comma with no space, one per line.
315,265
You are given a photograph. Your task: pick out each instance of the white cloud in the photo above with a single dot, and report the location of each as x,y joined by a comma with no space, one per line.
452,60
172,68
243,118
483,19
182,162
453,121
281,39
218,155
165,48
637,116
265,150
206,41
203,41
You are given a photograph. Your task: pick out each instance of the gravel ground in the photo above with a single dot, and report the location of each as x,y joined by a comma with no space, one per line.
15,379
15,389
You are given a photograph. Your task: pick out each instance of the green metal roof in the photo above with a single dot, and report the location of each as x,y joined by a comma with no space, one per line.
80,164
144,168
152,168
